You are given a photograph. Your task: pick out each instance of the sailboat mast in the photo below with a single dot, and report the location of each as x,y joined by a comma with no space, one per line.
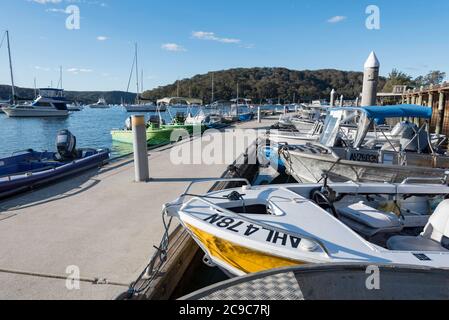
60,77
137,76
141,81
213,92
35,88
13,90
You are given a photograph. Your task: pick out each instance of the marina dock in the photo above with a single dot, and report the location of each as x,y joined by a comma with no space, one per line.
99,223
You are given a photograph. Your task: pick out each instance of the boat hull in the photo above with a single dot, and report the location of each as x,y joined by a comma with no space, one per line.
164,135
29,113
29,178
306,167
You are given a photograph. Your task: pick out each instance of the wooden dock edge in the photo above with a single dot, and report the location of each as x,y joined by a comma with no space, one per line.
182,248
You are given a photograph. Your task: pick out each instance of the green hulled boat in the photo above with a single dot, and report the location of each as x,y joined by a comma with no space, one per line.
158,134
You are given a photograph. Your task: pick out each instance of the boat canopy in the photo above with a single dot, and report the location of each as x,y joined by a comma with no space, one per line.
398,111
174,100
380,113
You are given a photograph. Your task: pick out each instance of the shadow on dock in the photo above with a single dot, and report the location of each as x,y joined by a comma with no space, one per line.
68,187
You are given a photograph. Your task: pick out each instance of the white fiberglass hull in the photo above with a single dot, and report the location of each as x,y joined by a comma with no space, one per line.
34,112
295,231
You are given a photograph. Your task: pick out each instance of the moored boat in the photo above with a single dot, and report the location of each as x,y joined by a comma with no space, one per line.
361,154
101,104
30,169
50,103
253,229
157,132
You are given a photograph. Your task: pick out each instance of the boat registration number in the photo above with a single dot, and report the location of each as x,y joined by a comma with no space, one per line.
250,230
364,157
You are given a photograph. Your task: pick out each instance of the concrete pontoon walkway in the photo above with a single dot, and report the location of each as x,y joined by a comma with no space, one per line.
102,222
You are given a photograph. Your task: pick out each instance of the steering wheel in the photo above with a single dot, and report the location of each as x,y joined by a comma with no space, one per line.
324,202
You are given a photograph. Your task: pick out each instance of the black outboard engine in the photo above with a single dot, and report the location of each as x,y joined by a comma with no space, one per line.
66,145
129,124
155,121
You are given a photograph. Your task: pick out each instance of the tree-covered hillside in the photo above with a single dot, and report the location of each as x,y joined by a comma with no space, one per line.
265,83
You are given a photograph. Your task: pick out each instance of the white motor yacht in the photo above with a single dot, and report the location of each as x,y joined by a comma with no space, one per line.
49,103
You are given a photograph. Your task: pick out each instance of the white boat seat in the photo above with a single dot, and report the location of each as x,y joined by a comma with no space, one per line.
369,221
435,235
400,243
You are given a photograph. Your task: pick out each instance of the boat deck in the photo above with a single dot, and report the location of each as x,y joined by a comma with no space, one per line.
101,222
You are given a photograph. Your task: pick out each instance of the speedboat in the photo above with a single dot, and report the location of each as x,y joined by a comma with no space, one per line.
30,169
158,133
257,228
49,103
360,153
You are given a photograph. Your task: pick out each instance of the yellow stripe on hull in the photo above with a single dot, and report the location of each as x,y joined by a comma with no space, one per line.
239,257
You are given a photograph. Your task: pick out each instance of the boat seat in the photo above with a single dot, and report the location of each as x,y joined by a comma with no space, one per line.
400,243
434,238
368,221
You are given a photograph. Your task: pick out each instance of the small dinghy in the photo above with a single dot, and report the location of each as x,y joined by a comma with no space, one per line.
254,229
29,169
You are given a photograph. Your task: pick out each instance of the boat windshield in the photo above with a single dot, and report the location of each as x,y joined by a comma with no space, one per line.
331,128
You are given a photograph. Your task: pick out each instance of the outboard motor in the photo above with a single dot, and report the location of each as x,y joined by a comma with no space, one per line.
129,124
155,121
66,145
406,133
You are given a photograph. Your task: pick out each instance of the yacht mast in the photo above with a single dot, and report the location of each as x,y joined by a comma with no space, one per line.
35,88
137,76
60,77
13,90
213,93
141,81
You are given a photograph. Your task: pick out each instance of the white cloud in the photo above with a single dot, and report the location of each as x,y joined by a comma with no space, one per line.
173,47
337,19
79,70
46,1
56,10
210,36
41,68
102,38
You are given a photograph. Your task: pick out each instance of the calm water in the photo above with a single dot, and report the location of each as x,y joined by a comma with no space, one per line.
91,127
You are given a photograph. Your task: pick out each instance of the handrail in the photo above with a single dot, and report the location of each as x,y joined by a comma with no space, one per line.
443,180
262,224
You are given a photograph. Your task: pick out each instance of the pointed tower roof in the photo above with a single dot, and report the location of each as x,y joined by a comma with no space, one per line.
372,61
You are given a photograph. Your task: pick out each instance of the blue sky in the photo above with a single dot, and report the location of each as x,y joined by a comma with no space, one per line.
179,39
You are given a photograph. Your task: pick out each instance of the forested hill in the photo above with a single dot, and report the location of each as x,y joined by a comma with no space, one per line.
85,97
266,83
